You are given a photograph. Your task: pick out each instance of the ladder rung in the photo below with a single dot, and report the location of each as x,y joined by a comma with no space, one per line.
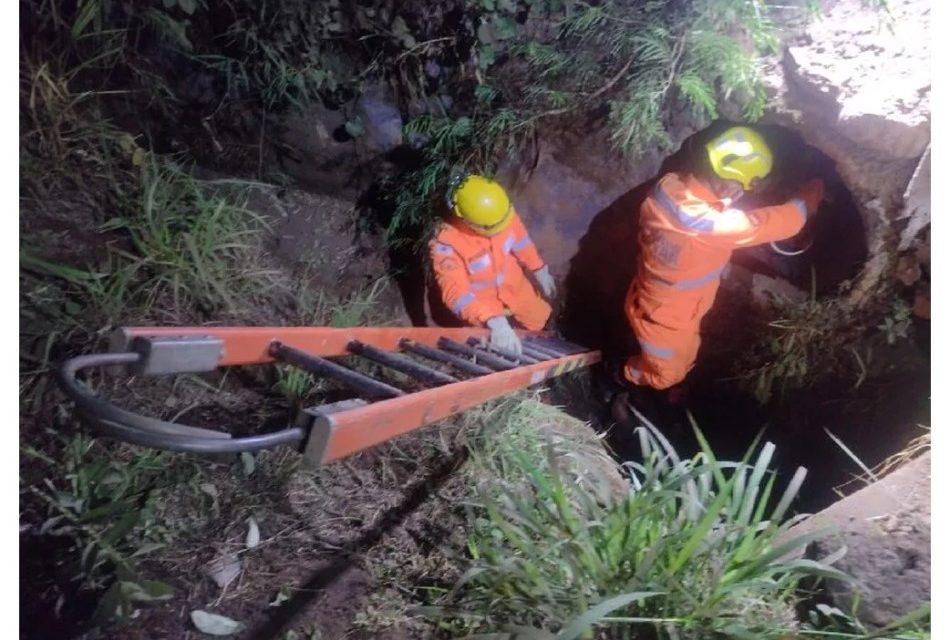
400,363
504,353
319,366
442,356
556,344
534,353
540,348
482,357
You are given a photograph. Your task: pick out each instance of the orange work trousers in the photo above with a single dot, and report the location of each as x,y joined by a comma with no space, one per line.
667,329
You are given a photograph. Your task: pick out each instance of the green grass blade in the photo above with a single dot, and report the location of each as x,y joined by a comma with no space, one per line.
578,626
791,491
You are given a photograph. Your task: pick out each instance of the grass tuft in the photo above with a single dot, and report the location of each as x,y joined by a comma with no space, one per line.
689,550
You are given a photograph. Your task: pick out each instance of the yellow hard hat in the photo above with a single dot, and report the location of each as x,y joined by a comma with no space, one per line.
740,154
483,204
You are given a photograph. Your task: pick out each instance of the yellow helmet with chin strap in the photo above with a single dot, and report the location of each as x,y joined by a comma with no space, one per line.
740,154
482,203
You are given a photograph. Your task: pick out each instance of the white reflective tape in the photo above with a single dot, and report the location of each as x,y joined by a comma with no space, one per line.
488,284
521,244
479,264
698,223
802,207
484,284
660,352
463,302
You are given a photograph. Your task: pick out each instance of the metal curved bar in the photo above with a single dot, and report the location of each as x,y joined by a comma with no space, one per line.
119,424
784,252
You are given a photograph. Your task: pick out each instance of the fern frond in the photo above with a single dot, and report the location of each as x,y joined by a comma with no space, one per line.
653,47
485,94
587,20
698,94
545,60
637,122
501,123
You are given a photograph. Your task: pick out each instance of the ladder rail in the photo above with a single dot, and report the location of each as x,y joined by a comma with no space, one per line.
324,435
250,345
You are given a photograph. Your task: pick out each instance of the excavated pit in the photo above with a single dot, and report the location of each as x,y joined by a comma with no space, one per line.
876,417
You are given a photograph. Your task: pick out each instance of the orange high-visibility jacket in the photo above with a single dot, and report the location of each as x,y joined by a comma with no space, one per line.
686,238
481,277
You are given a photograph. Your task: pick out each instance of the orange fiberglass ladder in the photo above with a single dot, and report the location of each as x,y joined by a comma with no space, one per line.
452,369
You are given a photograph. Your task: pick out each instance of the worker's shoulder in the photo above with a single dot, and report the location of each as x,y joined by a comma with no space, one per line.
516,217
445,234
672,181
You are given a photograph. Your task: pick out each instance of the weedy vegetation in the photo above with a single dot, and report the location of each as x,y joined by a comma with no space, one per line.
694,547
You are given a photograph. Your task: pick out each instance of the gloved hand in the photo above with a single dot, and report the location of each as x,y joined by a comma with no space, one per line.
503,336
546,281
812,193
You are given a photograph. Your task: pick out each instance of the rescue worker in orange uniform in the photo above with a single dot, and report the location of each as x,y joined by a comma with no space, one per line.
478,256
688,230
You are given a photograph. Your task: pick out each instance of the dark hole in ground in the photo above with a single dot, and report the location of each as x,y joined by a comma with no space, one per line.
875,419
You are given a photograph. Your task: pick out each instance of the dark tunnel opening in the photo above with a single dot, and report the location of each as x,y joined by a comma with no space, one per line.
876,418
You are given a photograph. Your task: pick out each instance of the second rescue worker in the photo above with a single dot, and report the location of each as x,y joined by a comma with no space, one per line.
478,257
689,227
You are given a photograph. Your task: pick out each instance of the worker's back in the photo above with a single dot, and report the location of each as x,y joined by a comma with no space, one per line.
676,266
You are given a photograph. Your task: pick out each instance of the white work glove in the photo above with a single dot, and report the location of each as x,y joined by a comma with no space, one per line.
546,282
503,336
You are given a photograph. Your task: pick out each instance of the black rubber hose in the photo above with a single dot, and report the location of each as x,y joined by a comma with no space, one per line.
112,422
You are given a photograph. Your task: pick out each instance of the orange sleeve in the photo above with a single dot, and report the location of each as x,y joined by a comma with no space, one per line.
731,227
739,228
522,246
455,286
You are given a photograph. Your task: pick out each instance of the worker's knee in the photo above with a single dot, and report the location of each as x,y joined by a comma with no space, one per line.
659,373
670,375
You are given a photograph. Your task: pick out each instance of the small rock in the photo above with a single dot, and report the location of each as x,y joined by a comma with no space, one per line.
908,270
382,119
